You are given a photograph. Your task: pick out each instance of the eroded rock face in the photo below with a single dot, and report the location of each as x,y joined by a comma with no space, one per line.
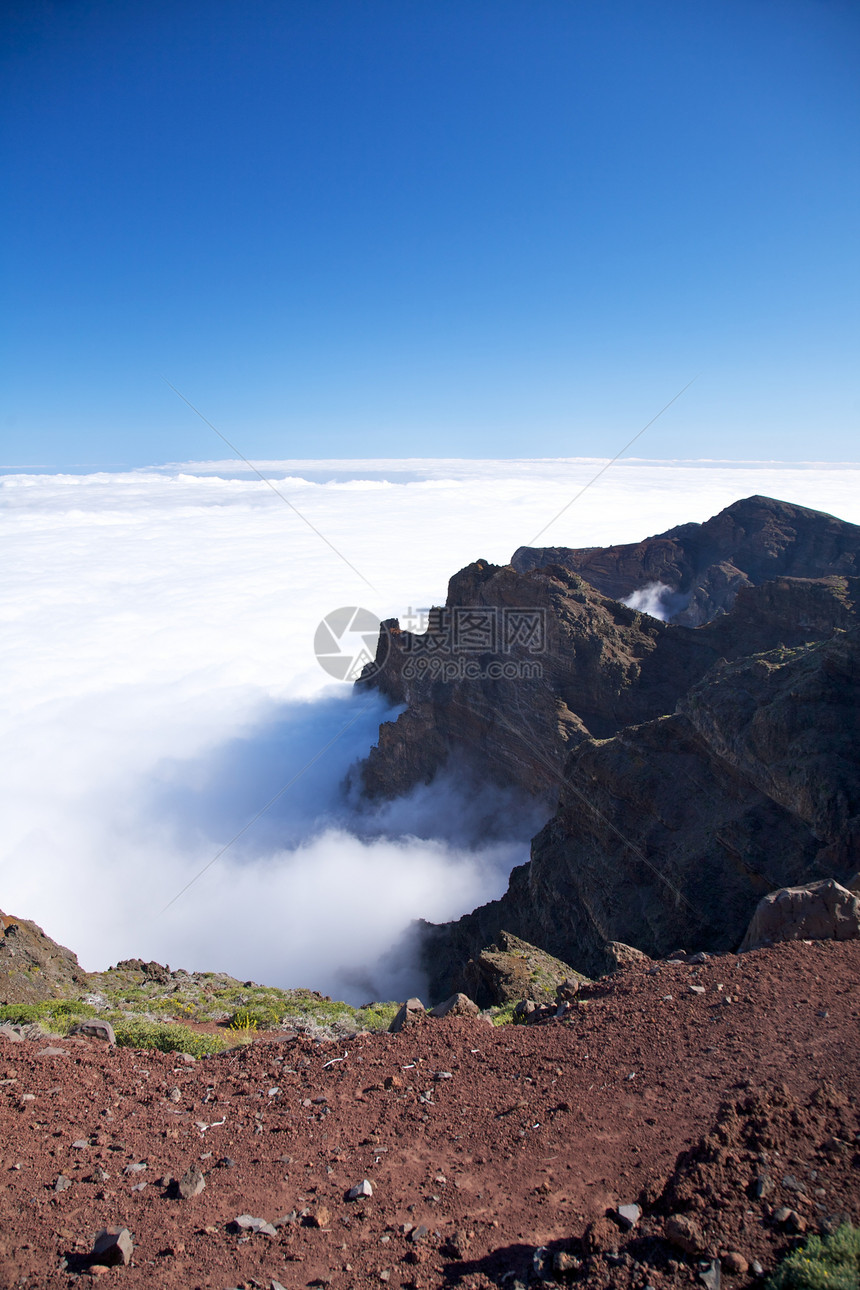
705,565
687,770
672,832
600,667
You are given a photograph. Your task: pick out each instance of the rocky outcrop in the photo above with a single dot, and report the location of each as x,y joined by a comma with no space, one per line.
672,831
32,966
820,911
510,714
702,567
689,767
511,970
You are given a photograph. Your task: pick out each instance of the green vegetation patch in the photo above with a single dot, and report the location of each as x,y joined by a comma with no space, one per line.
54,1015
168,1037
823,1263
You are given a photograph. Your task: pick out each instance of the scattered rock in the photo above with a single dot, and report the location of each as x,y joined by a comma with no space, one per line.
191,1183
696,989
319,1217
734,1264
790,1220
53,1052
13,1033
62,1183
248,1223
709,1275
565,1263
135,1168
761,1185
360,1190
629,1215
113,1247
685,1234
567,990
95,1028
411,1012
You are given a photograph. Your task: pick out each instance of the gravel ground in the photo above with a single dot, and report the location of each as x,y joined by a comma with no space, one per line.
495,1156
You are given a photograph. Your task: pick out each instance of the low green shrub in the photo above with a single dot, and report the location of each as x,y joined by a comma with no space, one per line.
823,1263
167,1037
376,1016
253,1017
58,1015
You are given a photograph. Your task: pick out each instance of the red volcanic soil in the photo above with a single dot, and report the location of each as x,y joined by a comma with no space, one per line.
480,1144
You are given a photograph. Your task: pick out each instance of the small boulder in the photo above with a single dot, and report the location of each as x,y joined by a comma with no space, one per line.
248,1223
734,1264
413,1011
818,911
190,1184
459,1005
95,1028
629,1215
113,1247
360,1190
685,1234
617,955
566,991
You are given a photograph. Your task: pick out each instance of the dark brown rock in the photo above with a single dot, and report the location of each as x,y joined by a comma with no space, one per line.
703,566
676,809
685,1234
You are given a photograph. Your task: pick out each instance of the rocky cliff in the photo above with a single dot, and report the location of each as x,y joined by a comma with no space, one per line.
690,768
702,567
668,834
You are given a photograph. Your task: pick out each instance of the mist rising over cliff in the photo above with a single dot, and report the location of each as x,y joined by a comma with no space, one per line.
161,688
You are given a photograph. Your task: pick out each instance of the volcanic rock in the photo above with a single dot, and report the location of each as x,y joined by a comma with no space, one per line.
95,1028
459,1005
703,566
411,1012
113,1247
753,785
512,969
819,911
32,966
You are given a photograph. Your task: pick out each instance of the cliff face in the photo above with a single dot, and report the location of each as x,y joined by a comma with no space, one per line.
669,833
599,667
691,769
705,565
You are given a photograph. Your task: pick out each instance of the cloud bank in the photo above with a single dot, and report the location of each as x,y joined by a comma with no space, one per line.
161,688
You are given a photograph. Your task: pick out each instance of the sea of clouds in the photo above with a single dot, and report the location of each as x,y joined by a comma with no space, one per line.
161,689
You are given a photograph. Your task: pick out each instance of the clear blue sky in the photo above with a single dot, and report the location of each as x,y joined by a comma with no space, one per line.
427,228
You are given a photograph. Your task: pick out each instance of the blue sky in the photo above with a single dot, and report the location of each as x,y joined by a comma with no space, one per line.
423,228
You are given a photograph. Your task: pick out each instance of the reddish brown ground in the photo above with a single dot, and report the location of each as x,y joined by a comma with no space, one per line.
539,1132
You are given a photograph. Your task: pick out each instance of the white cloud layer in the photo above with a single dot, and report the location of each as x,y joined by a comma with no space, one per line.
161,686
